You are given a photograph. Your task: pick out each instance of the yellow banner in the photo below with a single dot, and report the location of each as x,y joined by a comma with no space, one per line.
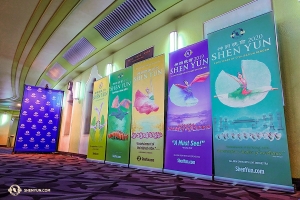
148,96
98,127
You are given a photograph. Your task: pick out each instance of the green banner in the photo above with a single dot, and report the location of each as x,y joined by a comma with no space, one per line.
98,127
250,140
119,116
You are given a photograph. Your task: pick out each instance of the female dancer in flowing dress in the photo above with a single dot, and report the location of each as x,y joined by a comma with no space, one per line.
239,94
144,103
182,95
242,91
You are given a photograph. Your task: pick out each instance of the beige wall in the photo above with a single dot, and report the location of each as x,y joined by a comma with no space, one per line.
190,29
64,140
13,131
287,16
76,122
5,120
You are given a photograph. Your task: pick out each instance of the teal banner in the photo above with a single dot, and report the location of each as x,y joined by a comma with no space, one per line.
249,134
119,116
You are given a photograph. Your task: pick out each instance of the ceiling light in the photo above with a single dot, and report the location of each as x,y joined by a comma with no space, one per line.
109,69
173,41
77,90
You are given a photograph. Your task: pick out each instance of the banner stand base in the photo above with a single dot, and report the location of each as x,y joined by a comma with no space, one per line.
93,160
146,168
264,186
116,164
195,176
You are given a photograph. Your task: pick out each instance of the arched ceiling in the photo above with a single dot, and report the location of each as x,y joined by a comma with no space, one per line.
36,37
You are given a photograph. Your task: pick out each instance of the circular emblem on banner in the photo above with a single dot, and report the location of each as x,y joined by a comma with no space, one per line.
188,53
237,33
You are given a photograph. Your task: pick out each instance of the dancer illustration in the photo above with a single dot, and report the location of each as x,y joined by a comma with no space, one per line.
120,114
242,90
247,88
182,95
144,103
97,124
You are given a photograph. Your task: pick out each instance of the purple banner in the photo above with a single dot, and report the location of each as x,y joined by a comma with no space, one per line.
39,120
189,129
146,54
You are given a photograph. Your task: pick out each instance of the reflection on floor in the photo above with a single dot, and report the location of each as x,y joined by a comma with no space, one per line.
74,178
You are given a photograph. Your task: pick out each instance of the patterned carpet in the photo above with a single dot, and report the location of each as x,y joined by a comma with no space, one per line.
74,178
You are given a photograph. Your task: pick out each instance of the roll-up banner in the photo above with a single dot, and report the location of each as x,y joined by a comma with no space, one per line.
250,140
98,127
189,130
119,116
147,130
39,120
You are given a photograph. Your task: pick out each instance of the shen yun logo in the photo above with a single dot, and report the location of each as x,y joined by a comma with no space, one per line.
24,113
26,100
35,114
188,53
39,90
48,103
14,190
28,88
46,115
44,96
